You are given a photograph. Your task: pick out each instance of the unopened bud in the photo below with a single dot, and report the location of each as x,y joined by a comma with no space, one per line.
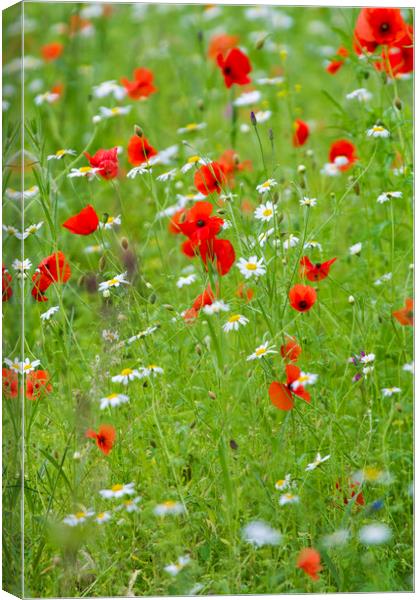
260,43
101,263
253,119
124,243
351,299
398,407
270,135
200,104
138,131
398,103
198,350
212,395
152,298
168,307
301,169
236,159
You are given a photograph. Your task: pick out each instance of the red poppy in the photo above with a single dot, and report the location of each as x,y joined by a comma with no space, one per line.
84,223
206,298
6,280
37,383
221,44
52,51
53,269
58,89
281,394
349,495
245,293
139,150
176,220
220,250
375,26
300,133
315,272
235,67
291,350
335,65
106,161
10,383
399,58
142,86
405,315
198,225
210,178
302,297
230,163
343,154
105,438
309,560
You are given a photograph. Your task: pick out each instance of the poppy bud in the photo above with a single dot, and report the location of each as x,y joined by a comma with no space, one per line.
275,197
212,395
332,196
198,349
236,159
200,36
301,169
96,119
124,243
200,104
270,135
102,263
233,445
260,43
398,407
168,306
398,103
351,299
253,119
138,131
152,298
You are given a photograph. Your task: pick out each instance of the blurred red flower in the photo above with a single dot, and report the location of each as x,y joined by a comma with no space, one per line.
6,280
142,86
315,272
309,560
10,383
139,150
300,133
37,384
405,315
52,269
84,223
302,297
210,178
335,65
290,350
230,163
106,161
221,44
343,154
235,67
50,52
281,394
105,438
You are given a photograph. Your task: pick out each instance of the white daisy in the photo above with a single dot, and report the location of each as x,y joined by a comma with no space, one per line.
263,237
361,94
261,351
330,170
114,282
192,162
141,334
304,379
126,376
248,98
266,186
234,322
118,491
216,307
61,154
377,131
174,568
253,267
388,392
375,533
111,222
288,498
262,116
367,358
290,242
140,170
11,230
30,230
318,460
308,201
46,316
130,505
284,484
265,212
188,280
383,278
387,196
409,367
78,518
21,267
103,517
109,113
311,244
89,172
109,88
169,507
337,538
356,248
192,127
270,80
259,533
48,97
110,336
151,371
113,400
167,176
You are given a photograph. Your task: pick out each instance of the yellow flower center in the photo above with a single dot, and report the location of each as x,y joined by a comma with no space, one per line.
234,318
128,502
193,159
169,503
115,110
260,351
191,127
371,473
378,128
280,482
80,515
152,367
85,169
112,396
251,266
32,189
110,220
267,212
113,281
60,152
126,372
266,184
28,366
101,515
117,487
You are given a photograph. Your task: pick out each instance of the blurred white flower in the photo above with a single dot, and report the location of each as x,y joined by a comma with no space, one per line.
259,533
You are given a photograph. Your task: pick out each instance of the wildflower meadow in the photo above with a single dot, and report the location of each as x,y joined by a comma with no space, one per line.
207,299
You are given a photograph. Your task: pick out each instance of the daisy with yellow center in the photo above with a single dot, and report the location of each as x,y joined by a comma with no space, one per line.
378,131
169,507
261,351
151,370
288,498
61,153
111,222
118,490
127,375
265,212
253,267
78,518
116,281
193,161
89,172
103,517
234,322
113,400
266,186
